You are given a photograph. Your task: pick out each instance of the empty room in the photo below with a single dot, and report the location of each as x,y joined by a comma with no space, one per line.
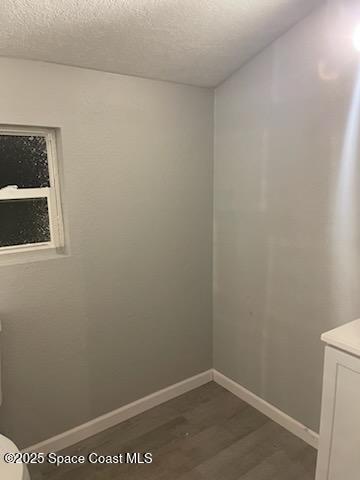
179,239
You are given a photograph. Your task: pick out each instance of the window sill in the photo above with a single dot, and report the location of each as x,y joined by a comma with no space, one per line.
31,256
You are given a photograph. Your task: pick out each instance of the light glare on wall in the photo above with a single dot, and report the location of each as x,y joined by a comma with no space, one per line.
356,38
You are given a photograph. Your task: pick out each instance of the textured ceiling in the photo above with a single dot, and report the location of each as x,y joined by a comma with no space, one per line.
199,42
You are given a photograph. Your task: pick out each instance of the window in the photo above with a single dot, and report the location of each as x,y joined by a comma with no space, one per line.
30,209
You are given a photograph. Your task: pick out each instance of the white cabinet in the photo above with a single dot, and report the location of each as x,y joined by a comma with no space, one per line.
339,444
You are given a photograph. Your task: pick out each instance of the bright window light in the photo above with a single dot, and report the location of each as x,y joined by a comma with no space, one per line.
356,38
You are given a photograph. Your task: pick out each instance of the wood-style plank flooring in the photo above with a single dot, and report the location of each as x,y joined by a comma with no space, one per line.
206,434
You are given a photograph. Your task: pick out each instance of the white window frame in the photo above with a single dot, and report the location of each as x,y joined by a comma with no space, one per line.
51,193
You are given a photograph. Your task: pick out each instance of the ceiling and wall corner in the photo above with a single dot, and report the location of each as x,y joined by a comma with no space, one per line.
156,139
197,42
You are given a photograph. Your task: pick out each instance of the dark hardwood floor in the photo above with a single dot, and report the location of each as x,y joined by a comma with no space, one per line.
206,434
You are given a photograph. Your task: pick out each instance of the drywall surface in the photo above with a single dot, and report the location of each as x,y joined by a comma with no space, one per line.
286,254
128,312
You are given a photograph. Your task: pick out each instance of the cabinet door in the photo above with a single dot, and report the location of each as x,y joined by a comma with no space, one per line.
339,446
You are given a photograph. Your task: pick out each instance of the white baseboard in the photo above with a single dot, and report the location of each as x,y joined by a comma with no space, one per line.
99,424
77,434
270,411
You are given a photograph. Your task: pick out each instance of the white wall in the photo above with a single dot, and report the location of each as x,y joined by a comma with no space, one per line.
286,254
129,310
